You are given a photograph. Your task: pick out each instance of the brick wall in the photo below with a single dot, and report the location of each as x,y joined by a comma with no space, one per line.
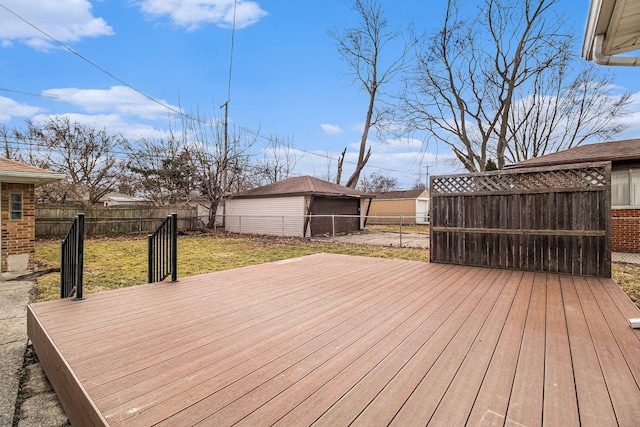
625,230
18,236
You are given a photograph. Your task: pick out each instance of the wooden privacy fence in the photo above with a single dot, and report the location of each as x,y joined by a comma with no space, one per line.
553,219
53,221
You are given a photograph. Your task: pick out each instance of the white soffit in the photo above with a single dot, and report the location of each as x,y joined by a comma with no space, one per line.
618,21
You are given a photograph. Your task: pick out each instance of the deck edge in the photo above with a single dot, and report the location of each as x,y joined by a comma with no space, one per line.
74,398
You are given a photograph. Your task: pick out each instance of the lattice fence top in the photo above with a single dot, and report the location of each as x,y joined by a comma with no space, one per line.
524,180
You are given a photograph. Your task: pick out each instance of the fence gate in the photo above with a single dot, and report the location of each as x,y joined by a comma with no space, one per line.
544,219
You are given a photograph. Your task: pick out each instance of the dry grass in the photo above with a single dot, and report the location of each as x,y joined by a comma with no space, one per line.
627,276
120,262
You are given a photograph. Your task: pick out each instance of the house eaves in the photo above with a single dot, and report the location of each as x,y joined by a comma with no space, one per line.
613,28
16,172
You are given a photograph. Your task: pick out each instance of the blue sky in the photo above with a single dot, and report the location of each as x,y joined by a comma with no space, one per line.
287,78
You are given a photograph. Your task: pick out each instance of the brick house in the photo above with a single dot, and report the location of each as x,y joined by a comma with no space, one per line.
625,184
17,212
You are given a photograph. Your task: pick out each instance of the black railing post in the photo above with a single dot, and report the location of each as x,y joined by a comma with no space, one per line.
72,260
150,262
174,247
162,252
79,256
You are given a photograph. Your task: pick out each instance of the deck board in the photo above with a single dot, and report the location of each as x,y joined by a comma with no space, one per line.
560,404
338,340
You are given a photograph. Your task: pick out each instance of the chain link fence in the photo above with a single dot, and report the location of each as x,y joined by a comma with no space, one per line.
398,231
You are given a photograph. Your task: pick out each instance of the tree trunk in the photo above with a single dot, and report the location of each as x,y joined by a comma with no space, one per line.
213,210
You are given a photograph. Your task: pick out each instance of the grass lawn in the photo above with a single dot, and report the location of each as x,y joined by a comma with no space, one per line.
112,263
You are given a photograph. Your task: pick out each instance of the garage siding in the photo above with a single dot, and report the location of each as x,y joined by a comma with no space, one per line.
275,216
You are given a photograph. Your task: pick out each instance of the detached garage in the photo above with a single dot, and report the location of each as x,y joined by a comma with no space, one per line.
297,207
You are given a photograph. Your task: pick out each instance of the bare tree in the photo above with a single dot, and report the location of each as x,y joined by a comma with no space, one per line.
278,162
559,114
9,146
472,79
163,169
377,183
86,155
220,158
363,48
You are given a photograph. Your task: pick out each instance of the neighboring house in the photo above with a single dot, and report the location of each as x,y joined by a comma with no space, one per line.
625,184
119,199
390,207
17,206
301,206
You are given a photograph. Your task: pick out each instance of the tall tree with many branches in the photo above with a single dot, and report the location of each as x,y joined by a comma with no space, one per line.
500,80
86,155
365,48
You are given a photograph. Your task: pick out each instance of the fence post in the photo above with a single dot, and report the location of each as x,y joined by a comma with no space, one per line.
174,247
333,227
401,222
79,256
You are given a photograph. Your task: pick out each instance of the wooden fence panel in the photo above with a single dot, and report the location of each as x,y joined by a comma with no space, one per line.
552,219
54,221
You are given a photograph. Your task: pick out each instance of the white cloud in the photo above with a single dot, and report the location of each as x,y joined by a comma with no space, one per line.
329,129
405,163
64,20
118,99
191,14
631,119
10,109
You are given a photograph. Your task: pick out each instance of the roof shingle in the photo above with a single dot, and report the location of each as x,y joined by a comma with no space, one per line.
628,149
302,185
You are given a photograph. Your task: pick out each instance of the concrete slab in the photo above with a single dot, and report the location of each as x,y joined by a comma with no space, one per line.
41,406
405,240
42,410
14,297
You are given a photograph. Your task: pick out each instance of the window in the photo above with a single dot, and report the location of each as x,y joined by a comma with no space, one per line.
15,207
625,187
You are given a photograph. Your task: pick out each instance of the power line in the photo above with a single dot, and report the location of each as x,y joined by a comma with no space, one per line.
233,37
69,49
168,107
44,95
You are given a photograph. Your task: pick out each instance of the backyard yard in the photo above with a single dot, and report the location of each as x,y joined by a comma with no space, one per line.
111,263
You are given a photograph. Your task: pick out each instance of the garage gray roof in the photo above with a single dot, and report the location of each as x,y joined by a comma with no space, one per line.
302,185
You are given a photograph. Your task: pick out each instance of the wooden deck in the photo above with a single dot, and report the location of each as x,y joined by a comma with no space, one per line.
335,340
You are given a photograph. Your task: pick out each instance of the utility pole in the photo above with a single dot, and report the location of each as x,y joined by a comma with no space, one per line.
226,146
426,178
